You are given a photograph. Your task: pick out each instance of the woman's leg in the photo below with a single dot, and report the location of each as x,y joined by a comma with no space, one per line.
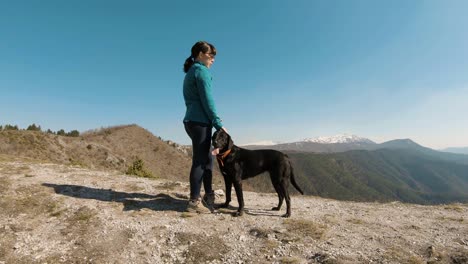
201,159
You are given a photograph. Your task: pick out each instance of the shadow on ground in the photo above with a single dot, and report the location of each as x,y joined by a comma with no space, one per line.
131,201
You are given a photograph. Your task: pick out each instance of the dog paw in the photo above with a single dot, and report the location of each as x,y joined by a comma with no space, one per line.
236,214
286,215
275,209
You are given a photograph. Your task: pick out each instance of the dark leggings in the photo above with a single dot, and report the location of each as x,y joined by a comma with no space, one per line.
202,162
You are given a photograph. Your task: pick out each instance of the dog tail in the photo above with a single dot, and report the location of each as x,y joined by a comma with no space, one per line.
293,180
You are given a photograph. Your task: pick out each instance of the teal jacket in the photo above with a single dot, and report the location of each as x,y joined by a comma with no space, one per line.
198,98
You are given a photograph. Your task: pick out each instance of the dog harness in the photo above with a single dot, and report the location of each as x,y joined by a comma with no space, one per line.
222,156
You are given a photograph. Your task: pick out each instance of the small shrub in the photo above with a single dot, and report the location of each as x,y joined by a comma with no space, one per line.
138,169
73,133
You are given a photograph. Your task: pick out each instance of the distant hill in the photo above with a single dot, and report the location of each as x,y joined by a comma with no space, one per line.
408,144
462,150
304,146
321,146
107,148
382,175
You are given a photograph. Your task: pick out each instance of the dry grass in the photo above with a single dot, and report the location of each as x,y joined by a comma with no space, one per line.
306,228
269,245
201,249
171,185
454,207
4,184
356,221
187,214
449,218
401,255
9,169
32,201
290,260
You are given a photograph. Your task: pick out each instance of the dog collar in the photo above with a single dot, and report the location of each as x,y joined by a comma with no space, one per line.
222,156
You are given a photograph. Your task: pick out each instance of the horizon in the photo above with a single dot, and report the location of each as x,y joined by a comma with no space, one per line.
283,72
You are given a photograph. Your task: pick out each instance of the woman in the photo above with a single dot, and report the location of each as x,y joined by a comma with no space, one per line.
199,119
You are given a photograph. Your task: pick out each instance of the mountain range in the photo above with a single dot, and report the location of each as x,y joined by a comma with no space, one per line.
460,150
346,168
346,142
354,168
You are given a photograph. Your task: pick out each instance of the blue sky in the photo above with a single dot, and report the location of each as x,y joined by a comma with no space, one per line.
285,70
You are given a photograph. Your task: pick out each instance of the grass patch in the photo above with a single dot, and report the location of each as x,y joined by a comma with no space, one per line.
454,207
84,214
78,163
133,188
400,255
201,249
290,260
306,228
9,169
28,200
171,185
4,184
449,218
187,214
355,221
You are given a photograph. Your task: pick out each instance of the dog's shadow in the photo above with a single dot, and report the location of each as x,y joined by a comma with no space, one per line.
231,210
131,201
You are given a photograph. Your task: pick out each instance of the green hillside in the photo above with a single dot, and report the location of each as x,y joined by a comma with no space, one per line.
382,175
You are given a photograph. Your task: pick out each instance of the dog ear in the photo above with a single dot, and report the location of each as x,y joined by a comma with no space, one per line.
230,142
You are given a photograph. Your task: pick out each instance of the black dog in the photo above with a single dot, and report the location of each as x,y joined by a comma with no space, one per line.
237,164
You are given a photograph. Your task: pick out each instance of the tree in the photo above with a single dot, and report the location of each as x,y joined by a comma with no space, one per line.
33,127
61,132
10,127
73,133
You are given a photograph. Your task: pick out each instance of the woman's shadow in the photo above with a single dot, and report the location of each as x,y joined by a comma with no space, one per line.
131,201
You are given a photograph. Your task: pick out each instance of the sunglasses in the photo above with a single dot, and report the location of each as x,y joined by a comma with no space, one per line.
211,55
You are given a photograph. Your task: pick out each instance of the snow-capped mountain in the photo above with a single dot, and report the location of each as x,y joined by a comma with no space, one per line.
262,143
342,138
338,143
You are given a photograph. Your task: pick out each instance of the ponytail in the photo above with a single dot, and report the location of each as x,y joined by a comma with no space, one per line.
200,46
188,63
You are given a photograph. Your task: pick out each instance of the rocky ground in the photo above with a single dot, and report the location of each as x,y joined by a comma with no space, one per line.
53,213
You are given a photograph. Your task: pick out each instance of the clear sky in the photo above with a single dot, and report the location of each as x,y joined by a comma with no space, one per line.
285,70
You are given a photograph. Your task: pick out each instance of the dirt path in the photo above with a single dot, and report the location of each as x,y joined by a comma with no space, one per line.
60,214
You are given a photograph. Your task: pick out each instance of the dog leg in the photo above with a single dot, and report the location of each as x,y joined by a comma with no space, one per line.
240,197
280,197
228,184
284,188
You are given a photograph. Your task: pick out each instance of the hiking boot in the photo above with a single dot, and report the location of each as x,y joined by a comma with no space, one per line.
209,200
196,206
